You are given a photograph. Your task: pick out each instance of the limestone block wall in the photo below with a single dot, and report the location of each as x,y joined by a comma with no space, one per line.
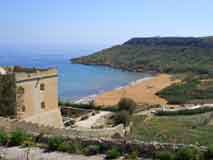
51,118
33,128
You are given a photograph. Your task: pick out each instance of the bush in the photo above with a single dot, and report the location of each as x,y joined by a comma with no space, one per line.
17,138
132,156
191,153
67,147
164,155
54,143
209,153
122,117
92,150
3,138
127,104
113,154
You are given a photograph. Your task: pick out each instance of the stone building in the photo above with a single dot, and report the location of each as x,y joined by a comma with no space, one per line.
31,94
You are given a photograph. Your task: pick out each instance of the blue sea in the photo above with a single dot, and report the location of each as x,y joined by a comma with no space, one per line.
75,81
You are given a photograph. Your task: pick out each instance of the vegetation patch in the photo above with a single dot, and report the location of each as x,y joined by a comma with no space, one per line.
168,55
126,108
189,91
3,138
18,138
191,129
7,95
113,153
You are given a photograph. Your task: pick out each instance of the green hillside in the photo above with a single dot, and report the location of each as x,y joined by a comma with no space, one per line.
169,55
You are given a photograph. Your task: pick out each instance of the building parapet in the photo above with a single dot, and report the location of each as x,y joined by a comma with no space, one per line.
24,76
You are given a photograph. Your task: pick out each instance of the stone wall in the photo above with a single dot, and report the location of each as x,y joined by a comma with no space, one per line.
9,125
102,137
49,118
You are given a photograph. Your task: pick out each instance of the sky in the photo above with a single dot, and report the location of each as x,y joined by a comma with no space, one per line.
99,23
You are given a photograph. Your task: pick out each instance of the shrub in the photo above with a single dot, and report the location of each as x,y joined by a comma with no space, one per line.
122,117
164,155
189,153
127,104
92,150
67,147
209,153
54,143
3,138
132,156
17,138
113,153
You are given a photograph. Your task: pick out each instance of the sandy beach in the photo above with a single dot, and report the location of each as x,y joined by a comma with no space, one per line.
142,92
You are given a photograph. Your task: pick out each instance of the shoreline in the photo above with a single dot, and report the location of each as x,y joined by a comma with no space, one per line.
92,97
142,91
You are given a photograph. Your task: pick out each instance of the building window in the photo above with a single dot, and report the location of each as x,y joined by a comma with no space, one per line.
43,105
42,87
20,90
23,108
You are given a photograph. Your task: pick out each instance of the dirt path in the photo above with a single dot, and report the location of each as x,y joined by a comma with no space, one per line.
88,123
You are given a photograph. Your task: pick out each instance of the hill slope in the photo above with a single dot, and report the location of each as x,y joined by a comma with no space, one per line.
168,54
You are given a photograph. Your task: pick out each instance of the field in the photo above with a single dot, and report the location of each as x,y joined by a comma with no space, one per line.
194,129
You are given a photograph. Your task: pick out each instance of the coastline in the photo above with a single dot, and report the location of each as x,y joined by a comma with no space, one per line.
92,97
142,91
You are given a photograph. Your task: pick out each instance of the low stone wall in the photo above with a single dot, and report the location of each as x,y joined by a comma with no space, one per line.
9,125
101,137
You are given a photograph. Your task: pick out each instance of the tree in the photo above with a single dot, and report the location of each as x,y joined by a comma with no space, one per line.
127,104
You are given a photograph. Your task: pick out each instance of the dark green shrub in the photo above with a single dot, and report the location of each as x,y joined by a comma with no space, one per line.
113,153
127,104
7,95
54,143
189,153
209,153
18,137
122,117
3,138
67,147
132,156
164,155
92,150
